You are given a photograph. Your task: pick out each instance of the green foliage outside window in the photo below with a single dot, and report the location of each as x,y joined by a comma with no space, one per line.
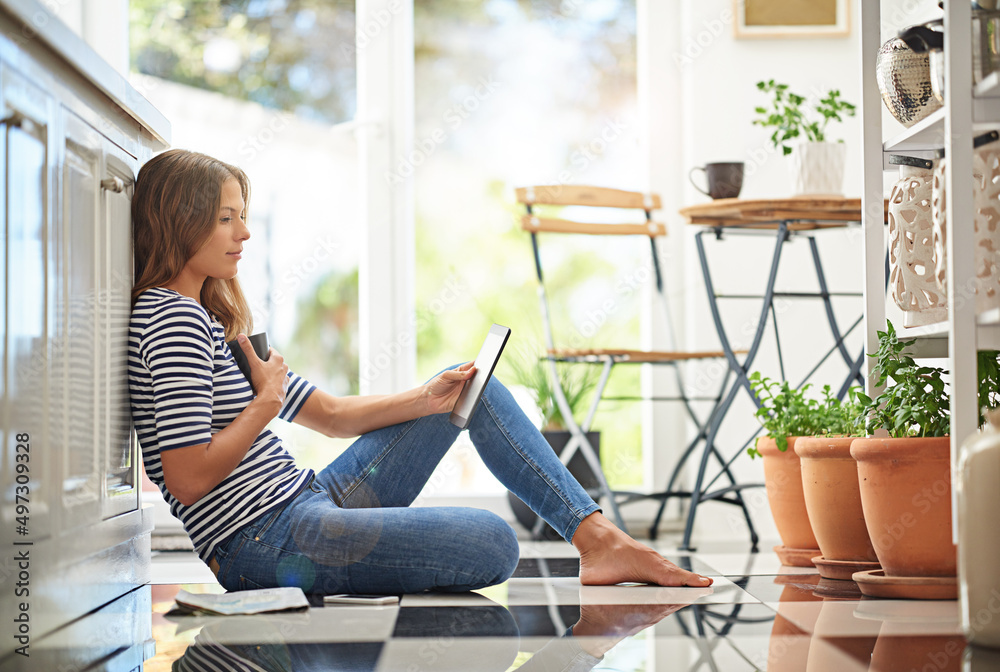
282,54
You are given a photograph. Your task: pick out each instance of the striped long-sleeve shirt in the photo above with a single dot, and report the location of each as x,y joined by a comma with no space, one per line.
184,387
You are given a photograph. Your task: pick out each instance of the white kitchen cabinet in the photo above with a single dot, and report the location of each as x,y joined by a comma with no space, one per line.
73,135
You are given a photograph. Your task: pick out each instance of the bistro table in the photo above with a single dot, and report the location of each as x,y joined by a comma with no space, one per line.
780,219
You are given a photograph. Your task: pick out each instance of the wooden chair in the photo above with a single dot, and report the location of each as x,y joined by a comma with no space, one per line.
629,202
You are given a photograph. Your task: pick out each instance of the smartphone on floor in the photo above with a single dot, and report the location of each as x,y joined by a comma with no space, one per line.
346,598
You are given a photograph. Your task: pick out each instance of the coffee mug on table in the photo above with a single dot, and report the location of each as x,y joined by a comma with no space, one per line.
260,346
724,179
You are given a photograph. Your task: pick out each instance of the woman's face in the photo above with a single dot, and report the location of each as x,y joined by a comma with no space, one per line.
218,257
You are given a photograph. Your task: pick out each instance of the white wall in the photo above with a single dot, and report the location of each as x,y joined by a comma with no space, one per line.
103,24
716,99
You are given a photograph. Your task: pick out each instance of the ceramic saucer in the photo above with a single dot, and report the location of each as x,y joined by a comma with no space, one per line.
837,589
874,583
842,570
796,557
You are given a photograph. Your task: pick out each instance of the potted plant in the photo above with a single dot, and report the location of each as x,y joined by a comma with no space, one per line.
531,371
786,414
817,165
831,490
905,471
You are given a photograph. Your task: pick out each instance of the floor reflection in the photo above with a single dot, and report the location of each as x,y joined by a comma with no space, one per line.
762,618
451,638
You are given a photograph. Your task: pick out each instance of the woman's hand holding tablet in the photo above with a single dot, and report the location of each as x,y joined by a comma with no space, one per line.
486,361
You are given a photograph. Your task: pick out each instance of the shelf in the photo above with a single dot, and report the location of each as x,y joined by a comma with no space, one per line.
927,135
932,339
981,102
989,87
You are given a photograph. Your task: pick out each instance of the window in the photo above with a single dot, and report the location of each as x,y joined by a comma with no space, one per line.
511,93
270,86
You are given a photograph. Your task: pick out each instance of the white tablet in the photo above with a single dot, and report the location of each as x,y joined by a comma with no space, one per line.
486,361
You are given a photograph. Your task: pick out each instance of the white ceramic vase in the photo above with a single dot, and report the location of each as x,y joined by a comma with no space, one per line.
986,225
818,168
912,269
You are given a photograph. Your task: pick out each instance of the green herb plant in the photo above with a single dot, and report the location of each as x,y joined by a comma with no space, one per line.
850,415
916,403
577,381
786,411
989,382
791,118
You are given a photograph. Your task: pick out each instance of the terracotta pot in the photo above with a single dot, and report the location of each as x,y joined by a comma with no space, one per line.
906,497
908,637
783,480
788,646
830,625
941,653
833,498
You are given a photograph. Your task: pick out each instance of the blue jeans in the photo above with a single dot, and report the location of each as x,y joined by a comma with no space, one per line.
351,531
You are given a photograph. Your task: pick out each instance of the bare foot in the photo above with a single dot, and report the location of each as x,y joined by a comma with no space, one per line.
609,556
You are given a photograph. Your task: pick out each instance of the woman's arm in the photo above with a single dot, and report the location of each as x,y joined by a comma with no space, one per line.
191,472
345,417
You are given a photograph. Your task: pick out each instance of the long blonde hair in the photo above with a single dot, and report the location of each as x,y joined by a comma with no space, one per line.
174,209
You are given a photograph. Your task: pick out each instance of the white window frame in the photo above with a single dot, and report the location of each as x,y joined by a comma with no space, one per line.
387,324
666,427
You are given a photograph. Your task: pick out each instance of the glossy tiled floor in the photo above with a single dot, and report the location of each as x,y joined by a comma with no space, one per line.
758,616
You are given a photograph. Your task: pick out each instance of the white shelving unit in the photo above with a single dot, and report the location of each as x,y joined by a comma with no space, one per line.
968,111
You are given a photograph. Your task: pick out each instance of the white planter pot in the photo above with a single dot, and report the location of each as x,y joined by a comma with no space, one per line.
818,168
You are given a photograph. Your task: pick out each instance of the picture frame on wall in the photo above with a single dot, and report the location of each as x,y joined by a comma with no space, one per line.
770,19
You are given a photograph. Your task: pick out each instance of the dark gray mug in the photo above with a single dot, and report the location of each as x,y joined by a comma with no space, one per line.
260,346
724,179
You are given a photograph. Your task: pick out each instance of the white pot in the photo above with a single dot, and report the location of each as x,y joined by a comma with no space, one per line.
818,168
978,476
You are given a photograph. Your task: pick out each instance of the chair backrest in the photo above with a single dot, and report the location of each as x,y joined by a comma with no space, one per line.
597,197
600,197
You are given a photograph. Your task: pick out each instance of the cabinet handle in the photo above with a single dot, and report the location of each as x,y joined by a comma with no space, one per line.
14,120
17,120
114,184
